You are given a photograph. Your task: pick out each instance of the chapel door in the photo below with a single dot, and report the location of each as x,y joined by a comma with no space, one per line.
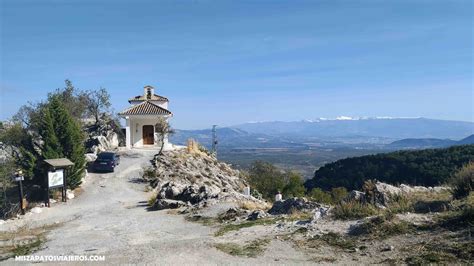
148,135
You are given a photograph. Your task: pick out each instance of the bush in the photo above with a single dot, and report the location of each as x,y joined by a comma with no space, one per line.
462,183
321,196
353,210
294,185
338,194
268,180
382,226
152,199
459,219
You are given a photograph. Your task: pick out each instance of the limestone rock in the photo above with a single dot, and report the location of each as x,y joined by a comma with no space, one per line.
195,178
257,214
36,210
69,194
161,204
320,213
294,204
90,157
232,214
355,195
432,206
387,248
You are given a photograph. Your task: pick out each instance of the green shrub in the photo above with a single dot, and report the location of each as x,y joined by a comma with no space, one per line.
337,240
400,204
268,180
338,194
463,218
152,199
353,210
321,196
462,183
382,226
294,186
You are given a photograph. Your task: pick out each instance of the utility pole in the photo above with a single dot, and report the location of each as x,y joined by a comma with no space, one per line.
214,140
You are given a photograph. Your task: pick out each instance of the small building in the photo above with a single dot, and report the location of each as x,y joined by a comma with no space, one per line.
141,118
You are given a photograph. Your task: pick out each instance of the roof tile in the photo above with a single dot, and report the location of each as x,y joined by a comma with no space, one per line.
145,108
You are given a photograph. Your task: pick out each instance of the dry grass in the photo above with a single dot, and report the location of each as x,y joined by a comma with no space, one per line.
298,216
381,227
252,249
441,253
235,227
353,210
252,205
152,199
24,240
332,239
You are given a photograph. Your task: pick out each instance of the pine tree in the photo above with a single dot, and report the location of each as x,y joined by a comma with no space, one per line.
51,148
70,137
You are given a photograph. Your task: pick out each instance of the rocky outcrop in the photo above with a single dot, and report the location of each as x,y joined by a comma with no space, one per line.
233,214
257,214
101,143
161,204
294,204
195,178
102,137
380,194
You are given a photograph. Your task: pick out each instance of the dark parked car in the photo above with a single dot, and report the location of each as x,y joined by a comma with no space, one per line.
106,161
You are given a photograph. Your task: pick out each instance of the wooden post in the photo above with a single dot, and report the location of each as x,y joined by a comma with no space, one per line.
47,193
63,189
20,190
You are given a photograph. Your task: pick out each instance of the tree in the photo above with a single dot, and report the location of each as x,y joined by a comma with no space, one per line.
294,186
51,147
16,140
98,102
52,129
163,128
7,167
462,183
430,167
70,138
75,101
266,178
321,196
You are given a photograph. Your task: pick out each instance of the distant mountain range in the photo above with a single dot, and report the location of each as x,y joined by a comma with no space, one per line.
428,143
406,132
394,128
307,145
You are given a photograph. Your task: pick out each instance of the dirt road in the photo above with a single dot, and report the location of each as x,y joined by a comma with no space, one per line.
110,218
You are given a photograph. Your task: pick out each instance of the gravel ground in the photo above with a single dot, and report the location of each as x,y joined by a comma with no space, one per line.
110,218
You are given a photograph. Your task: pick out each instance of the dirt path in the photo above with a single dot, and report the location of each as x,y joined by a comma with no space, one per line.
110,218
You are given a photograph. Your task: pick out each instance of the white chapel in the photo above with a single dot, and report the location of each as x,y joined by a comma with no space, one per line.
141,117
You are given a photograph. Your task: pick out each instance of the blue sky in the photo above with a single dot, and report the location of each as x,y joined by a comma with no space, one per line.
228,62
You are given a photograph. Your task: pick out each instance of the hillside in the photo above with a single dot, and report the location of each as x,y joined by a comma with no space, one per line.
421,143
428,143
423,167
467,140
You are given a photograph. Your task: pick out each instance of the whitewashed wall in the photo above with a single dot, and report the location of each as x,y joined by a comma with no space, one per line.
136,130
